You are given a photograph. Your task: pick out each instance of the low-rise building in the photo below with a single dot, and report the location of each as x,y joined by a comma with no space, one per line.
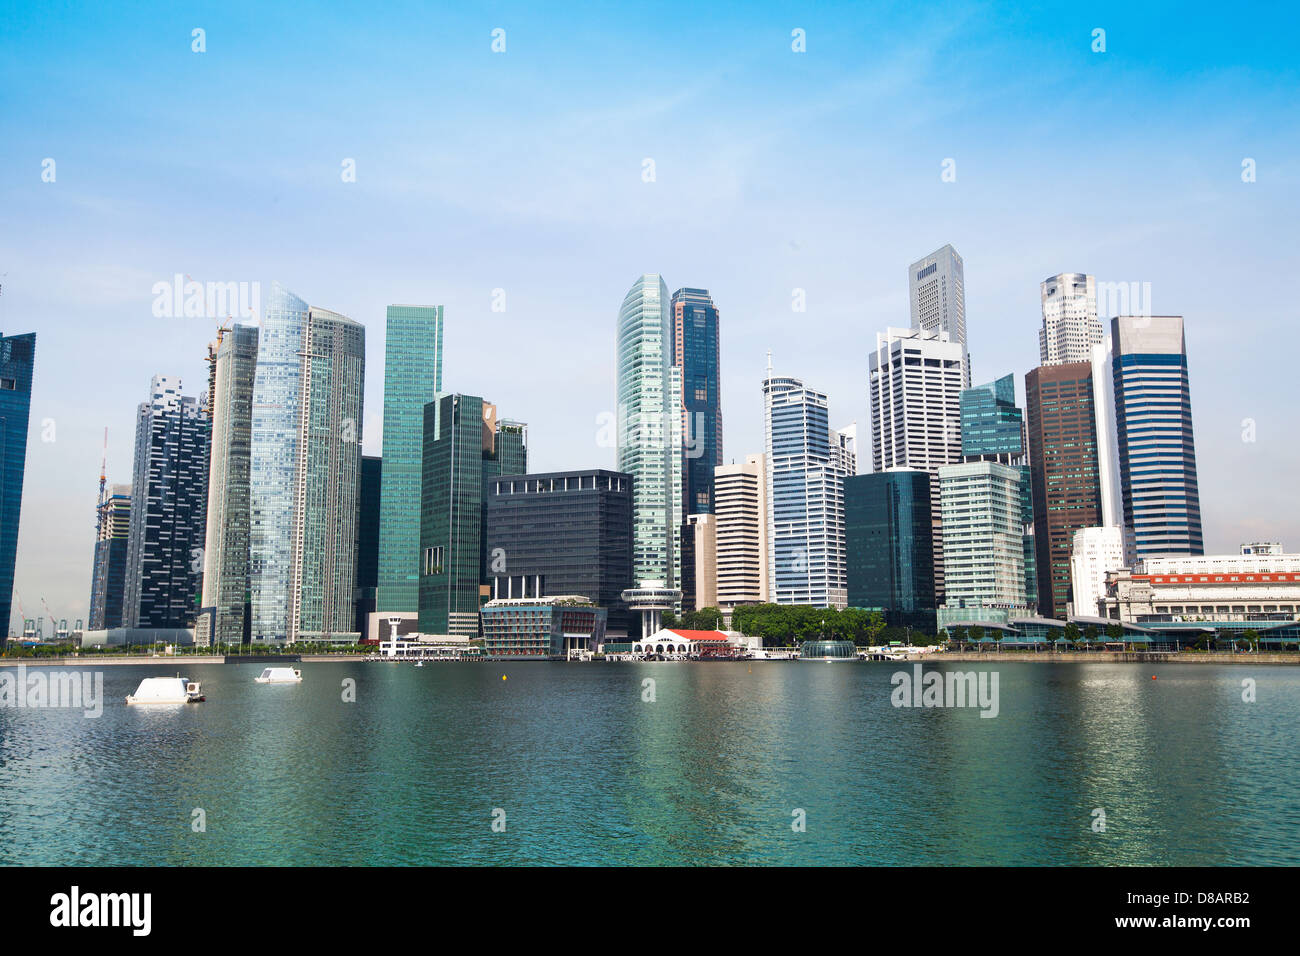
541,628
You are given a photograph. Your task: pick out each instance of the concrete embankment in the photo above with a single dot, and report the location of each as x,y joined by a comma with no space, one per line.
1114,657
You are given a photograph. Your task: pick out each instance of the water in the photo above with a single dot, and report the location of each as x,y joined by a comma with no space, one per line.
710,772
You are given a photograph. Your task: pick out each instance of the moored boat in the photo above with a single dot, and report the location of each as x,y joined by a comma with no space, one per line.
279,675
167,690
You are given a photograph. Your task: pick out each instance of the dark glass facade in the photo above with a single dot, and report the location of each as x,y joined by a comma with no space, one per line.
561,533
17,360
108,577
696,350
890,551
368,539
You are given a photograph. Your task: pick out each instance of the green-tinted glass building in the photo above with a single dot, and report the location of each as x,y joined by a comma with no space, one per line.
888,540
412,379
463,444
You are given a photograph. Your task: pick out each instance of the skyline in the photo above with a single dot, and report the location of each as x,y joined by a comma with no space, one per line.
813,171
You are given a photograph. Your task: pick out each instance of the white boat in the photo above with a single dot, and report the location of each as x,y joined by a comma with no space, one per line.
167,690
419,663
280,675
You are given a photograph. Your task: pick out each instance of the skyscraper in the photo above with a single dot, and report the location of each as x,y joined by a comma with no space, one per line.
17,358
741,510
1157,454
463,445
937,298
1070,326
650,429
887,533
983,535
412,379
226,553
1064,469
915,386
108,577
368,524
696,348
169,504
807,462
306,472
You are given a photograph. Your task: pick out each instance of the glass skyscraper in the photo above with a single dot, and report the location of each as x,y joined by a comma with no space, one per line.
1153,415
888,538
696,346
650,429
412,379
17,358
108,576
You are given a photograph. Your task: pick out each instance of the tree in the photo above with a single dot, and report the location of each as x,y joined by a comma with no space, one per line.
957,634
1072,634
875,624
1091,633
1115,632
1251,637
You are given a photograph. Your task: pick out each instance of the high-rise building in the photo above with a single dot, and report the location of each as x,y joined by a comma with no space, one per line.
412,379
700,559
696,349
463,445
226,553
1096,552
741,511
650,429
983,535
1157,454
17,358
169,504
305,475
807,462
368,527
1065,473
916,381
1070,325
561,533
108,578
887,533
937,298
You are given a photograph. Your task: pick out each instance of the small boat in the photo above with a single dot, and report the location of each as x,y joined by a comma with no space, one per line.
279,675
167,690
419,663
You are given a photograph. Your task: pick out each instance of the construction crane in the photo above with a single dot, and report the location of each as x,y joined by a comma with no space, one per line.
101,513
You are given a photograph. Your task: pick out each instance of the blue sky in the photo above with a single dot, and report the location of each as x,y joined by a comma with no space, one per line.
522,171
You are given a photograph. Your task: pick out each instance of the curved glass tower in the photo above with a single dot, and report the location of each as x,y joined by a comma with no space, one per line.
649,429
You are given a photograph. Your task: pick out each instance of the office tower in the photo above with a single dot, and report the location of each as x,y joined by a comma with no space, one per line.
1095,553
740,511
412,379
916,380
983,535
807,462
700,562
888,535
368,527
1070,326
327,481
108,578
937,298
1153,414
1104,423
17,357
561,533
463,445
649,429
306,472
169,504
225,605
1064,470
993,429
696,350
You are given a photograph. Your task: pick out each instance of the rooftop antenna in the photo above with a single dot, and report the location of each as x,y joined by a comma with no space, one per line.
100,511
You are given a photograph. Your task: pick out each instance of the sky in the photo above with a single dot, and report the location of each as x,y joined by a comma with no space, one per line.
521,177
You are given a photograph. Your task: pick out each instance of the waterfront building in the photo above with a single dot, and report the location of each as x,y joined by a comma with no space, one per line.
890,554
696,350
740,537
683,642
169,503
541,628
1064,471
305,475
225,616
937,298
807,462
559,533
1244,588
649,428
17,363
651,599
464,443
1070,325
916,381
108,577
1157,454
412,379
368,529
983,534
1096,552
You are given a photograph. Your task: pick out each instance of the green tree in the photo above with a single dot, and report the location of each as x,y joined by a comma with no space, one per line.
1072,634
